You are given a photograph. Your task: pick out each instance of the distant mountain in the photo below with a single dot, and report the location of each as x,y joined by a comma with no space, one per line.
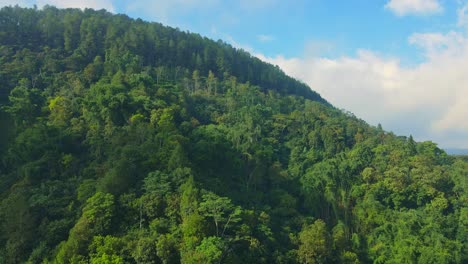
455,151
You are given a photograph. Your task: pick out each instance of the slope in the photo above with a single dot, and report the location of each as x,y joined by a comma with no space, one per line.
129,142
79,37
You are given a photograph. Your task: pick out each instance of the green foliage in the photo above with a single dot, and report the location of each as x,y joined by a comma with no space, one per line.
98,212
221,210
209,251
315,243
95,220
130,142
25,103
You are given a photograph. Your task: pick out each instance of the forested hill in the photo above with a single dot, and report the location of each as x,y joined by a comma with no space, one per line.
77,38
123,141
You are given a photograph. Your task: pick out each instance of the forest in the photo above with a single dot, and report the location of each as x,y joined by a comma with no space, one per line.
125,141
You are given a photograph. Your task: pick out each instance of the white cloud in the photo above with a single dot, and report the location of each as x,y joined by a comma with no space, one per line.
265,38
319,48
463,16
456,116
428,100
229,39
417,7
431,42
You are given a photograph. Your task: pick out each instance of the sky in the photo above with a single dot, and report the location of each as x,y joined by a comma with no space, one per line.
400,63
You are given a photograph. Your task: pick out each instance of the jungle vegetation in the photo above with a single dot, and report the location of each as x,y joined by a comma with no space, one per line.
124,141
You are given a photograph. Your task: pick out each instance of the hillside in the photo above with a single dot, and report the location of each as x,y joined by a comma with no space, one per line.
125,141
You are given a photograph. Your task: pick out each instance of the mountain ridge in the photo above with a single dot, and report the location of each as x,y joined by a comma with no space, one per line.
202,53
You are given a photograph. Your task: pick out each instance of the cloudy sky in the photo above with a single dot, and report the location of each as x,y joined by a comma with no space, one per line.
401,63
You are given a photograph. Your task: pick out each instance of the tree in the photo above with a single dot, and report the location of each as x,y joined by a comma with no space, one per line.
192,226
25,103
17,226
212,83
166,248
106,250
314,244
95,220
221,210
72,23
60,113
210,250
196,81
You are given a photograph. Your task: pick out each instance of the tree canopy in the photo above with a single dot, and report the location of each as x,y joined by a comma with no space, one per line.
124,141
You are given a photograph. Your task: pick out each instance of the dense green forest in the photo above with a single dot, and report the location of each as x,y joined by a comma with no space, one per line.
124,141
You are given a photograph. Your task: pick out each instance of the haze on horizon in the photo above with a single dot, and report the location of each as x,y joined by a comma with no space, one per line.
401,63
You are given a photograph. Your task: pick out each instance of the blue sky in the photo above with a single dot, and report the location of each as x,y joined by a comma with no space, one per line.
401,63
335,28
